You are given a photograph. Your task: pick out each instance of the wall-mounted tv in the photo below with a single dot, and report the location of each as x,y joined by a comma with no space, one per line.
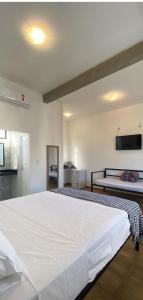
129,142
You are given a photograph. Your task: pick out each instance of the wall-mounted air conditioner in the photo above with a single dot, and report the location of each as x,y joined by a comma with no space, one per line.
14,101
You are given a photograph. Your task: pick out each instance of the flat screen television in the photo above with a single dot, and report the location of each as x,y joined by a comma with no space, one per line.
129,142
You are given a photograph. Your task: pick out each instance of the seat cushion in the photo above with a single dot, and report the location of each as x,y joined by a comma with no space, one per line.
117,183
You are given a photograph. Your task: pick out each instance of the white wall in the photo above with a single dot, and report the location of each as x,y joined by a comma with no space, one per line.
65,140
92,139
43,122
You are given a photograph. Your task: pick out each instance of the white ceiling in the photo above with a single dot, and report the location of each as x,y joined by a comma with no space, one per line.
84,35
90,99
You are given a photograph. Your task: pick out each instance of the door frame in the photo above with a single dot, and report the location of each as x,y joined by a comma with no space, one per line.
24,185
47,159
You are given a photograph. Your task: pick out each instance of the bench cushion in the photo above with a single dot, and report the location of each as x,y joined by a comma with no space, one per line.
117,183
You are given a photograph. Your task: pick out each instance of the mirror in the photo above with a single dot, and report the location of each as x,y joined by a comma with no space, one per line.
52,167
1,154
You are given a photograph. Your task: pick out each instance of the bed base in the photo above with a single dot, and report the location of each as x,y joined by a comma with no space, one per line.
94,186
137,246
89,286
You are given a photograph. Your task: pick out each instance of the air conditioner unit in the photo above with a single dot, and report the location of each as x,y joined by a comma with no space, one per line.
14,101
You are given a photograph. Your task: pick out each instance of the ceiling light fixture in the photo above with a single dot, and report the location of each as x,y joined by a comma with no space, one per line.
37,35
113,96
67,115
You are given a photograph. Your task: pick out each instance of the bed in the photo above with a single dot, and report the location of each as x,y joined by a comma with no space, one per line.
53,172
62,243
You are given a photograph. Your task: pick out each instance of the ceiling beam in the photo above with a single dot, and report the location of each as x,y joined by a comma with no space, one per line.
118,62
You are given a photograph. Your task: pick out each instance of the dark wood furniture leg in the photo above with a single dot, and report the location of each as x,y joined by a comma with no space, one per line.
137,246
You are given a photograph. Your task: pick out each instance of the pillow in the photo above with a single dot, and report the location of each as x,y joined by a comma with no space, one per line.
134,176
125,176
9,262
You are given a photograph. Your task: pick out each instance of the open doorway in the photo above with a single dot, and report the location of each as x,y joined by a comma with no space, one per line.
14,164
52,167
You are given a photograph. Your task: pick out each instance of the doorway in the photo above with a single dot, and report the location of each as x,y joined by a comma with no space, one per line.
14,164
52,167
20,160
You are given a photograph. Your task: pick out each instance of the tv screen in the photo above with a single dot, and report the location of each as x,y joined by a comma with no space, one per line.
129,142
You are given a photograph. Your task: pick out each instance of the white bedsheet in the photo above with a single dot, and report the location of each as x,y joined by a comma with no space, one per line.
62,242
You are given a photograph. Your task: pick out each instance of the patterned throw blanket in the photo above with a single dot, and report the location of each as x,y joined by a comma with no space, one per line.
132,208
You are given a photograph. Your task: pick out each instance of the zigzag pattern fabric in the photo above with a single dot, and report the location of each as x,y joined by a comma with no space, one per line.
132,208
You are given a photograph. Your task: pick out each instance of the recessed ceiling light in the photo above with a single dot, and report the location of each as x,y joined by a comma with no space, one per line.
67,115
37,35
113,96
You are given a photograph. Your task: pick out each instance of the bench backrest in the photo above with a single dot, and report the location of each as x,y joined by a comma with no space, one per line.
111,172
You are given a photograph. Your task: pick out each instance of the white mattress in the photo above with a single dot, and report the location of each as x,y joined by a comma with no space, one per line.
117,183
62,242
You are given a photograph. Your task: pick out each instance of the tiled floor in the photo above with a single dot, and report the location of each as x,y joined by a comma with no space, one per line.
123,279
